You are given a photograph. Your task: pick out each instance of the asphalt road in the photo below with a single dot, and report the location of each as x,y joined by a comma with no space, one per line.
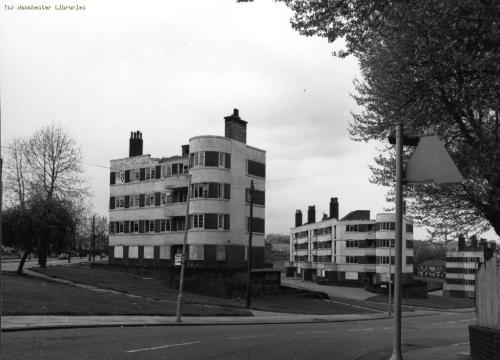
360,340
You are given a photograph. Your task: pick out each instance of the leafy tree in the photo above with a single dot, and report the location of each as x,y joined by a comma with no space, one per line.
43,225
425,64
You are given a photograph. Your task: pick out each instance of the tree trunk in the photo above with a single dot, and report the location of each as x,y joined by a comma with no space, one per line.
42,257
23,260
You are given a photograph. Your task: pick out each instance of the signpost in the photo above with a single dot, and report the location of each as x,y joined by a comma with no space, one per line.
429,163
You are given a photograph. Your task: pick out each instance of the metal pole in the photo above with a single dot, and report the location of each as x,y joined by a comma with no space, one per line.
249,254
90,240
390,280
1,219
183,259
93,238
396,354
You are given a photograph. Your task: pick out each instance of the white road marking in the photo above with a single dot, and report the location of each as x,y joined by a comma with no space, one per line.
452,322
440,323
387,328
316,332
366,329
249,336
458,344
164,346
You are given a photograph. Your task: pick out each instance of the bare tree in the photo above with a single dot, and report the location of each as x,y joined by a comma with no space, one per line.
55,163
17,174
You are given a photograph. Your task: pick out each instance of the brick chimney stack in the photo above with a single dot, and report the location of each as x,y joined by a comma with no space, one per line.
334,208
311,214
236,128
135,144
298,218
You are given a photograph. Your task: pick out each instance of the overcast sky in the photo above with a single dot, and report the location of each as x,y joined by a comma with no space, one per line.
173,70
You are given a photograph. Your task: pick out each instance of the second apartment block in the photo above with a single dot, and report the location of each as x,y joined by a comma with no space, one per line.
353,249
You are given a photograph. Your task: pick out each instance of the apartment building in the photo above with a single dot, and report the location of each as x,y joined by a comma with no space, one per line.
353,249
148,198
462,264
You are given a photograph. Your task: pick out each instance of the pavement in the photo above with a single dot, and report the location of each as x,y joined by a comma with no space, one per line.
47,322
331,290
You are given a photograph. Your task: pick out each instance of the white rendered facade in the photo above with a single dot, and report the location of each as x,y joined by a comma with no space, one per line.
147,212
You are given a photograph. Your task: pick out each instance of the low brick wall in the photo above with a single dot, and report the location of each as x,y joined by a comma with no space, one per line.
484,343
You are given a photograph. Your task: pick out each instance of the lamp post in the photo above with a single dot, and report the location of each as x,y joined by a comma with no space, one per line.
183,259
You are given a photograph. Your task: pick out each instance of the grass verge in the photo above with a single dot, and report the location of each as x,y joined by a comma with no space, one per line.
25,295
290,301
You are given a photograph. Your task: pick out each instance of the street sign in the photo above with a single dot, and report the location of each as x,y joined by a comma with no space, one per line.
178,259
430,162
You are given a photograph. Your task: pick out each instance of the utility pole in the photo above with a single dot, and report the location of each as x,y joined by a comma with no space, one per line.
390,280
183,259
249,253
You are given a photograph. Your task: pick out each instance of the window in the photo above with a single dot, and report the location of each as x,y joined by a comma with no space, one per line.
199,190
152,172
322,231
383,260
147,174
199,158
120,201
150,199
222,158
111,227
120,227
151,225
259,197
168,224
256,168
351,259
352,243
349,228
177,169
136,174
198,221
134,200
387,225
196,252
122,177
258,225
162,225
136,226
